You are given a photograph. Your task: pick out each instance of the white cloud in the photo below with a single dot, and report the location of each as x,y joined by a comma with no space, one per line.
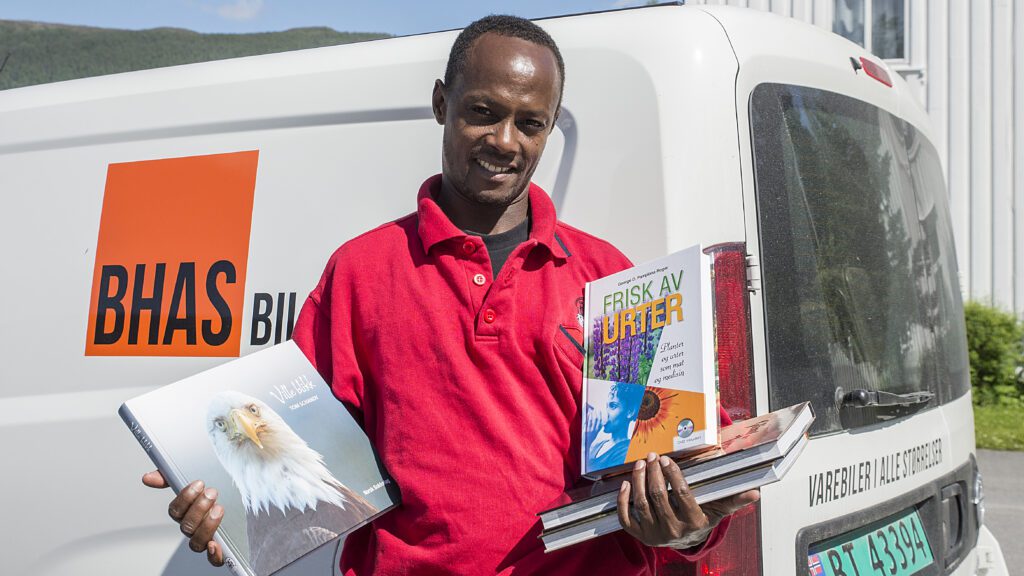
240,9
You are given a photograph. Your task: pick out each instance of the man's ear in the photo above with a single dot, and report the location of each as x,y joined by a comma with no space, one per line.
439,101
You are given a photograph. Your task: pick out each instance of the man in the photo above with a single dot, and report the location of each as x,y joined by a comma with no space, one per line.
447,334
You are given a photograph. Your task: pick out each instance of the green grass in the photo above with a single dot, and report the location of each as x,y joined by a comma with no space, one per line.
999,427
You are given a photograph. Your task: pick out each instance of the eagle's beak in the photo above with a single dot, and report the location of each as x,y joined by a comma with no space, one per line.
244,423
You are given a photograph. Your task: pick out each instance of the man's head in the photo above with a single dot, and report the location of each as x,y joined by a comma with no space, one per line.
502,25
498,102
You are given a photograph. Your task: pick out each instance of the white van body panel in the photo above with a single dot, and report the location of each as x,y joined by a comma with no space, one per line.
652,152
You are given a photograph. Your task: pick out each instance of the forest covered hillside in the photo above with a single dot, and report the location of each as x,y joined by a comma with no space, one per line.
36,53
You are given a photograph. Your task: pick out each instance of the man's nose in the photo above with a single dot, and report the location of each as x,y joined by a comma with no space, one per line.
504,137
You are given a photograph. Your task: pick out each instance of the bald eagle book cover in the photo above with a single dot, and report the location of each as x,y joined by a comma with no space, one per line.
649,380
293,470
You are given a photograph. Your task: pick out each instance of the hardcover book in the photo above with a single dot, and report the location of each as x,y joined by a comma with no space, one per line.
293,469
709,491
649,377
746,444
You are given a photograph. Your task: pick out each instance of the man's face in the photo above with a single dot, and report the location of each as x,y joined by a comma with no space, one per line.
497,116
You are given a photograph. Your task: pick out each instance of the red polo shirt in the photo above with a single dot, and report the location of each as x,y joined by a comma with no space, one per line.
468,387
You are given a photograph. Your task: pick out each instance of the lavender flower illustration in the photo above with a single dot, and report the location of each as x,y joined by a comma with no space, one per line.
628,359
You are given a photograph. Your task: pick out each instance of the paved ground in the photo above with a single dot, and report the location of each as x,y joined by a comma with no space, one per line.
1003,475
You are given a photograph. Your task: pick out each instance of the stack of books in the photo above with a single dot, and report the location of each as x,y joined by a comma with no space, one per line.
752,453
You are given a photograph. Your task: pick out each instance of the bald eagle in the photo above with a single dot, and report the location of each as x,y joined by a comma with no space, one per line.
292,501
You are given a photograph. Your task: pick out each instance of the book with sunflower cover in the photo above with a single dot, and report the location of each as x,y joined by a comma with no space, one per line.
649,381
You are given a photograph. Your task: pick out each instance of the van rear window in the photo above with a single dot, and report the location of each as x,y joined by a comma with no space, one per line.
858,269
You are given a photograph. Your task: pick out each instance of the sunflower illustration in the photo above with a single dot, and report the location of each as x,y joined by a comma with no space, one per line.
655,407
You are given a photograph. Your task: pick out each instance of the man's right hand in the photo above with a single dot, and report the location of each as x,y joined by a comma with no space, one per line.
196,510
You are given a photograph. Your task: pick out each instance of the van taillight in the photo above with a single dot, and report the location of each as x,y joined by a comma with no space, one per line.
740,553
876,71
732,329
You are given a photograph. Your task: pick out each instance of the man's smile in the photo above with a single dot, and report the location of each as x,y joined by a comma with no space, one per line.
493,168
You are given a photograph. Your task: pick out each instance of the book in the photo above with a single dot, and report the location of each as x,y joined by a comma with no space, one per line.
293,470
709,491
649,381
745,444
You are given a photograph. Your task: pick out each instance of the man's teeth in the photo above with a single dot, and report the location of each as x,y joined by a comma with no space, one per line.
493,168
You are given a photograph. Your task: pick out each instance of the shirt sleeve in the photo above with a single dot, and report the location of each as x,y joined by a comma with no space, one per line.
324,333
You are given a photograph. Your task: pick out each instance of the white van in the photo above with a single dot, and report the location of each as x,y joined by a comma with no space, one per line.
157,223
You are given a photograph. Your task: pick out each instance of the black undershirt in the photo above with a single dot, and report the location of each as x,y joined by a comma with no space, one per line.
499,246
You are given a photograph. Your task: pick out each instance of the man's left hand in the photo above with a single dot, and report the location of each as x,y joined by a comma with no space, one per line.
656,517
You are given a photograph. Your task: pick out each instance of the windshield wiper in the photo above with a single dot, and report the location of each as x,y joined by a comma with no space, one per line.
861,398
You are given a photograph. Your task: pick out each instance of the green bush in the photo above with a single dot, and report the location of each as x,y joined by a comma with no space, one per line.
995,343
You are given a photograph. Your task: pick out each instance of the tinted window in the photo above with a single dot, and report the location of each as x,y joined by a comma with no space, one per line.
858,269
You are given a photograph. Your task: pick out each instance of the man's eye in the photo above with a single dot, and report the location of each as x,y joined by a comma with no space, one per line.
532,126
481,110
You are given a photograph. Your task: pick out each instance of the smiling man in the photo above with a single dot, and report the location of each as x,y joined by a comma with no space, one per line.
452,335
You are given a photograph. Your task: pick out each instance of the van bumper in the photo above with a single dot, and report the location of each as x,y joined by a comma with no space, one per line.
986,559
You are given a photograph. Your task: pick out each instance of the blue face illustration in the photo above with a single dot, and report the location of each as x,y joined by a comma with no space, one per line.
623,405
617,417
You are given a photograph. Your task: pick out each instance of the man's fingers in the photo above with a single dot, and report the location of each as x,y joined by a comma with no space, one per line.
214,555
746,498
197,511
641,508
204,532
154,479
721,508
657,492
689,511
623,507
180,505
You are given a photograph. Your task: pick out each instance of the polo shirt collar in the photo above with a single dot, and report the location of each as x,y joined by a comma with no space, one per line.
435,227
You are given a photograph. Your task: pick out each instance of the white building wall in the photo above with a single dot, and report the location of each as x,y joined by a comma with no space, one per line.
965,63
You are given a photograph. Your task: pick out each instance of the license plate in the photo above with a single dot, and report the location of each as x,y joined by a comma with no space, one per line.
898,546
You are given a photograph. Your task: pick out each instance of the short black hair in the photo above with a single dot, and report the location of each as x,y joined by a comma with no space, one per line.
503,25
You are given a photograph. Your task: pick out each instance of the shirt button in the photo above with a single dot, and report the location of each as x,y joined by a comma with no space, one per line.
479,280
489,316
468,247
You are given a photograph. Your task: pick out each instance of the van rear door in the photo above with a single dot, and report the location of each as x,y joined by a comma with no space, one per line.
863,317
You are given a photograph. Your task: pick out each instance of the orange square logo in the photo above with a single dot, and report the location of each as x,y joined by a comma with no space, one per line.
171,257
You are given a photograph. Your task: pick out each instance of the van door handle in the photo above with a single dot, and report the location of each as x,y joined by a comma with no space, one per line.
861,398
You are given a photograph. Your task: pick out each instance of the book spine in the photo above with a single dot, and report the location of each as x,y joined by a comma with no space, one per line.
709,336
588,347
175,480
237,568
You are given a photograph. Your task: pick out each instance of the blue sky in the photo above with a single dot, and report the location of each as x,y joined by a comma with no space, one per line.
394,17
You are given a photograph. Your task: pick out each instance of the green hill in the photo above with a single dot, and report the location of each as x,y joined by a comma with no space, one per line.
37,53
